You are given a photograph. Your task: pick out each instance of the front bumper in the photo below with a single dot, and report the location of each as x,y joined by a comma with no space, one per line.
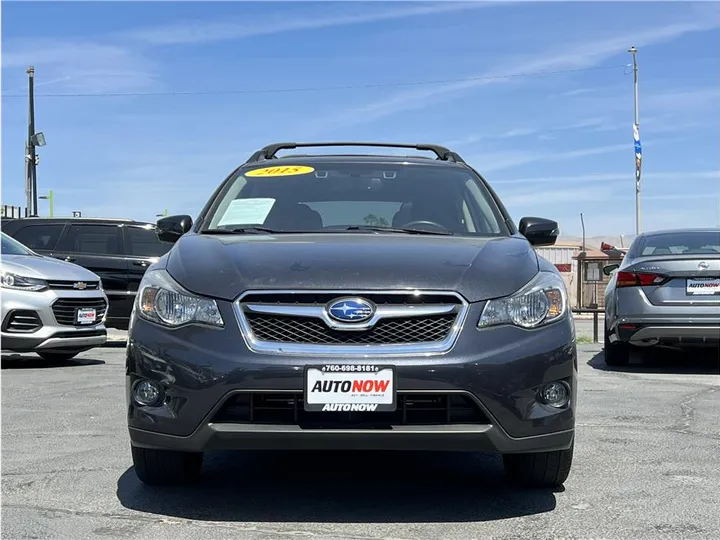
499,370
29,324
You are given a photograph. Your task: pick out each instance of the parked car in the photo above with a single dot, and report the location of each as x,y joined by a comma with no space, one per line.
666,292
350,303
53,308
117,250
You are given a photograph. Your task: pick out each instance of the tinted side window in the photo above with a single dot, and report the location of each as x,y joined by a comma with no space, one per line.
95,239
142,242
40,237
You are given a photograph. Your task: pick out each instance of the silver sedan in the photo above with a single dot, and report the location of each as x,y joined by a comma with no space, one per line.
665,292
53,308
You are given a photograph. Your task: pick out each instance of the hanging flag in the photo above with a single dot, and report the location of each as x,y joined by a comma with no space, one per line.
638,155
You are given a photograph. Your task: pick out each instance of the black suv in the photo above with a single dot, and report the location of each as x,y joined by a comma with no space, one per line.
118,250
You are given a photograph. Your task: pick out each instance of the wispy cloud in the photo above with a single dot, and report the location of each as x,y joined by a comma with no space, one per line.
573,56
83,65
198,31
680,196
496,161
543,132
682,98
680,176
571,93
123,61
533,197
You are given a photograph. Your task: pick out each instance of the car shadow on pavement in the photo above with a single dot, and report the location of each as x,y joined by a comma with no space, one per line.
341,487
700,361
17,361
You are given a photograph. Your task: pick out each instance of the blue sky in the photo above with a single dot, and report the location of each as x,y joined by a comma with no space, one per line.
551,145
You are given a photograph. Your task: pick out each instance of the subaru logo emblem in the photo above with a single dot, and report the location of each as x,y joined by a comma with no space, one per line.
351,310
703,266
80,285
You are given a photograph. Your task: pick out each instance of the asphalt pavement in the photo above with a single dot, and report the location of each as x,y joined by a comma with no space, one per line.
646,466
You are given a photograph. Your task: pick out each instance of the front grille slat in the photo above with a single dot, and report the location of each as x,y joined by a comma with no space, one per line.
65,309
291,329
65,285
23,321
288,409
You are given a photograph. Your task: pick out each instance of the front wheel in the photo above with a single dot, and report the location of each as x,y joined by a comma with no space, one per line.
57,357
165,467
539,470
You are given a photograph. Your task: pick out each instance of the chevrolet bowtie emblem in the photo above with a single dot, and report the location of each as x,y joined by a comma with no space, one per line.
80,285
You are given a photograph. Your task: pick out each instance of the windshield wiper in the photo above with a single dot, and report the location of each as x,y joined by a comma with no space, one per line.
378,228
242,230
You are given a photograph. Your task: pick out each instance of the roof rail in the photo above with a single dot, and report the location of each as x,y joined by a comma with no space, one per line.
269,151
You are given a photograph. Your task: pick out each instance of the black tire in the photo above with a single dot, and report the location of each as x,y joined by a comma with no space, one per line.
57,356
166,467
616,354
539,470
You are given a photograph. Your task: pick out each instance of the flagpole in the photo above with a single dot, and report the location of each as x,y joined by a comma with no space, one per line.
638,147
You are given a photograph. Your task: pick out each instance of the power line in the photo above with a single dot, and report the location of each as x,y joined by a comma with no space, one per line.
321,88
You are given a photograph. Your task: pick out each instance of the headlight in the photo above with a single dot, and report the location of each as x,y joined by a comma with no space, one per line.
164,301
22,283
540,302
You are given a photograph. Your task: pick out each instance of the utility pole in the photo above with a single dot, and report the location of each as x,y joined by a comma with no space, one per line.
31,139
638,147
34,139
29,148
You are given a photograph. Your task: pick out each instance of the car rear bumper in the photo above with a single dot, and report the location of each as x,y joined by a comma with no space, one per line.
645,333
497,372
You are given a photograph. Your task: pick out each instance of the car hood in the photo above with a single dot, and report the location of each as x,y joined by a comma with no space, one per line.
46,268
225,266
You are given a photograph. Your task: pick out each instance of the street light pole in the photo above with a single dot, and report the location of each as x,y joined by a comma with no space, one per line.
31,140
638,147
30,182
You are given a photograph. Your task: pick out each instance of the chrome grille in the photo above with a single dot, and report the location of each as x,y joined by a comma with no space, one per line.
298,323
65,309
23,321
74,285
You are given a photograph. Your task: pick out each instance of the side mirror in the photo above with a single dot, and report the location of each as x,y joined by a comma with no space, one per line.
171,228
539,231
610,268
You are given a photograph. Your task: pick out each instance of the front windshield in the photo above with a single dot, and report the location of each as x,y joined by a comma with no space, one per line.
10,246
331,196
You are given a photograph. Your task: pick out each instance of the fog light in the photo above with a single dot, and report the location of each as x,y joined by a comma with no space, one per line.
147,393
555,394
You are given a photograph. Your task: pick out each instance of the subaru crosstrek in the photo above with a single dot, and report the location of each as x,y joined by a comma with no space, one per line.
353,302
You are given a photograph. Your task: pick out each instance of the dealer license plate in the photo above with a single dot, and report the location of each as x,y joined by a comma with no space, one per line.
86,316
350,387
703,286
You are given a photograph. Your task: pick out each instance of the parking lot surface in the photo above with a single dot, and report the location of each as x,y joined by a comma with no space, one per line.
646,466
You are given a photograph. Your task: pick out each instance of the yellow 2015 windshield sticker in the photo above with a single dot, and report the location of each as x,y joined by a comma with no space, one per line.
287,170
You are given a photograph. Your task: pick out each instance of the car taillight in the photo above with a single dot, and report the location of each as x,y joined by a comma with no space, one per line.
635,279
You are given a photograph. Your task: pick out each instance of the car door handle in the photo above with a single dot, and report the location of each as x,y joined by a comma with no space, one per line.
141,263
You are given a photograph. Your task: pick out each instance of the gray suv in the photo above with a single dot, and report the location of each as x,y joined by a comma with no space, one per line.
353,302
